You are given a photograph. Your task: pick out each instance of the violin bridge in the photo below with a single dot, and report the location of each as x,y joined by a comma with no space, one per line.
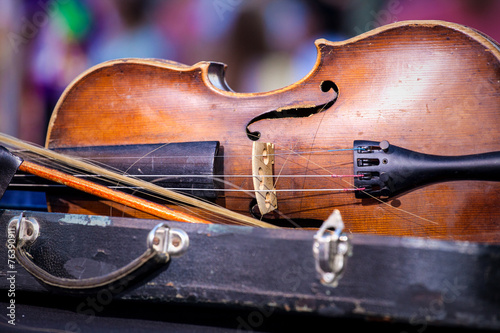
263,181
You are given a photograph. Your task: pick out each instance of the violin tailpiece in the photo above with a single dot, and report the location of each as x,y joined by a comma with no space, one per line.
389,170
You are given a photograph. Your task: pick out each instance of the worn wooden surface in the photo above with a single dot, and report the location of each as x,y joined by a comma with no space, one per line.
429,86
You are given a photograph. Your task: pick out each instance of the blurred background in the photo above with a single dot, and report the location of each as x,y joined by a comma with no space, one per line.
267,44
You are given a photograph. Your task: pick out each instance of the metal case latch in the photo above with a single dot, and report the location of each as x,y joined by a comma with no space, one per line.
331,248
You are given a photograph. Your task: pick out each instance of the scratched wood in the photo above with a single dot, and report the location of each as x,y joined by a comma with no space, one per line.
428,86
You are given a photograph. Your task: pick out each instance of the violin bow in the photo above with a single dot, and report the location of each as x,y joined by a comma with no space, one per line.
117,196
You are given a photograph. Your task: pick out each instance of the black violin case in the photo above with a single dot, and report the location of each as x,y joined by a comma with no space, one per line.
73,273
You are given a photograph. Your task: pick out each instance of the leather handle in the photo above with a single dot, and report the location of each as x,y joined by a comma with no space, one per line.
162,242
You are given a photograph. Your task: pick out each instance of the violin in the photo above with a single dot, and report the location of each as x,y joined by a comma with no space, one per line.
386,128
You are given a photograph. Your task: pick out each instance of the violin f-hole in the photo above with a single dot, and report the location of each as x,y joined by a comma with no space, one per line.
295,111
328,85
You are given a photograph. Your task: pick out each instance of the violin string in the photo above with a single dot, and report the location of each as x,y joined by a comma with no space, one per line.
125,173
308,158
318,151
207,214
137,158
380,200
96,161
221,219
117,186
218,218
239,189
80,164
281,170
310,161
191,189
217,177
244,190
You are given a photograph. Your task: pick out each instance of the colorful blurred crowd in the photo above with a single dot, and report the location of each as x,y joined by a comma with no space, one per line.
267,44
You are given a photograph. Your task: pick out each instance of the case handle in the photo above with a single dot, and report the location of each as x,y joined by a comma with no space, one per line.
162,242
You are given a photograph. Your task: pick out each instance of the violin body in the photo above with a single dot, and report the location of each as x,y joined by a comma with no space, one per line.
428,86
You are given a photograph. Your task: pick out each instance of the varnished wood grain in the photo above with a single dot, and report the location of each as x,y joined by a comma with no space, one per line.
428,86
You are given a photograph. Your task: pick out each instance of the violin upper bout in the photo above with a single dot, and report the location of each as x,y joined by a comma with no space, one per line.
433,31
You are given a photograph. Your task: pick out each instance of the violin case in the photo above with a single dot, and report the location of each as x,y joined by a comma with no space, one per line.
235,278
